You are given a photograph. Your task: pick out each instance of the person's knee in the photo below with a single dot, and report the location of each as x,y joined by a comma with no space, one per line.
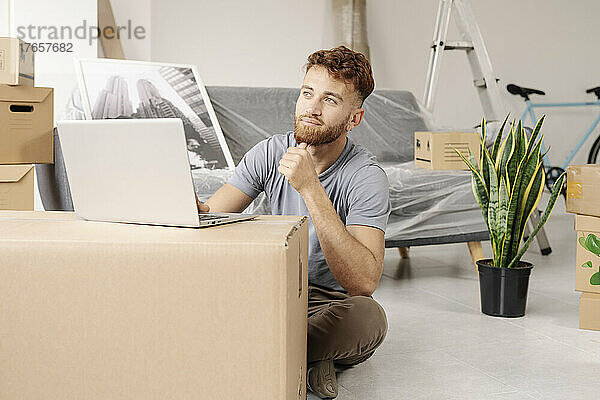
347,331
370,317
369,327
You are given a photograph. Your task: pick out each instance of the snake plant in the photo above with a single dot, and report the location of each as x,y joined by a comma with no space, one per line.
508,184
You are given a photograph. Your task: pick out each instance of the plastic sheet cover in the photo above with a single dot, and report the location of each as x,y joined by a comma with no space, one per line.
425,203
429,203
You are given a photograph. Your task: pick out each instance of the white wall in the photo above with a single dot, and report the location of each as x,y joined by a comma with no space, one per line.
4,18
251,43
139,13
545,44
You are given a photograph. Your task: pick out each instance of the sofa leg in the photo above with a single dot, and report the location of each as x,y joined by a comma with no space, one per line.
403,252
476,252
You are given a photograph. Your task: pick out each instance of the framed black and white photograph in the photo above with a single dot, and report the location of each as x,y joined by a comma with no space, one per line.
135,89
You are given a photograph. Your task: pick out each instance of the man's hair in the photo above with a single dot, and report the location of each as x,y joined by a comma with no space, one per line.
347,66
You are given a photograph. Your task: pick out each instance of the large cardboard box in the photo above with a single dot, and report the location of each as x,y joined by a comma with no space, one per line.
583,189
587,275
16,187
17,60
436,150
94,310
26,124
589,311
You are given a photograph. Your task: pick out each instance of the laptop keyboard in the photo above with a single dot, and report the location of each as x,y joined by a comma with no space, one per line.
208,217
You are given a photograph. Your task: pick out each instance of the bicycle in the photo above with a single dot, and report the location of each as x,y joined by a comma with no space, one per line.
553,172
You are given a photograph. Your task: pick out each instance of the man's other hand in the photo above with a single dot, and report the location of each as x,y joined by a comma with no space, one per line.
201,206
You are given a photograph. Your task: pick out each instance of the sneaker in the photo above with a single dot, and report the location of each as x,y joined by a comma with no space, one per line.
321,379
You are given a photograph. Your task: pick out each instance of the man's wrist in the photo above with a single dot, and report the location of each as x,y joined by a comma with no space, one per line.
312,191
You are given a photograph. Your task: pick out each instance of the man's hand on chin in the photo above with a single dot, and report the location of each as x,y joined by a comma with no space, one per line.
298,168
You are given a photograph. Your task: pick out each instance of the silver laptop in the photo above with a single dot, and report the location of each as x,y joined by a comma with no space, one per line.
134,171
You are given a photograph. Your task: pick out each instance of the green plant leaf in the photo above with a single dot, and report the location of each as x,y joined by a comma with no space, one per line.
592,244
495,228
536,132
534,192
595,279
498,141
503,159
516,157
587,264
479,189
480,185
509,226
527,173
482,205
531,197
521,142
505,154
502,212
475,171
546,152
483,165
482,140
512,218
556,189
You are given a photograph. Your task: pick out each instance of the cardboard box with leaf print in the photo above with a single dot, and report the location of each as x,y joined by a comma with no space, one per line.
587,277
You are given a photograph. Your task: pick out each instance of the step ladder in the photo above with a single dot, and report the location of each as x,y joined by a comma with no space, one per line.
484,79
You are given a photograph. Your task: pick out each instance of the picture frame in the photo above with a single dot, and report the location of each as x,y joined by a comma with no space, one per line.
113,88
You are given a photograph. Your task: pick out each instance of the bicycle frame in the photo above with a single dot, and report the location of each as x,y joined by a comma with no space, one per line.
529,106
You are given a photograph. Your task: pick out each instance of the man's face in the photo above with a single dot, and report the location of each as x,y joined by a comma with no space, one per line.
325,108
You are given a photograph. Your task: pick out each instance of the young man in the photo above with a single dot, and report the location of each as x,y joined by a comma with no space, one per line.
318,172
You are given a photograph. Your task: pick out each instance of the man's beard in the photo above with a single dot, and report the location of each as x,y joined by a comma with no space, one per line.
317,135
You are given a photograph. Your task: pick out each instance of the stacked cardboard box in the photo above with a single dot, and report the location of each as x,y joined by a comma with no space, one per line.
95,310
26,123
437,150
583,199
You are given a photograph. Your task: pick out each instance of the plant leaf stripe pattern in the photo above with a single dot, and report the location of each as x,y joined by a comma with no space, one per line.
528,170
508,184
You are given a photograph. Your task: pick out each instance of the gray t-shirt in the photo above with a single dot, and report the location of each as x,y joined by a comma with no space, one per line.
357,187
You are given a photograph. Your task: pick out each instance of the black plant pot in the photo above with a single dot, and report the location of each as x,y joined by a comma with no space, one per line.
503,290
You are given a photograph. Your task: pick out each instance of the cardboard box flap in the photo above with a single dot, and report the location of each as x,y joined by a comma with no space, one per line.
584,173
62,227
294,229
587,223
24,94
591,297
13,173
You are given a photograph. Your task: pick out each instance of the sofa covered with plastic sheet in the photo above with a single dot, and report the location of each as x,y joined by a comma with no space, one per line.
428,207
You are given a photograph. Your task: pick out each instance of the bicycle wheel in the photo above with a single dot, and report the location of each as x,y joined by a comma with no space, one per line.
594,155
